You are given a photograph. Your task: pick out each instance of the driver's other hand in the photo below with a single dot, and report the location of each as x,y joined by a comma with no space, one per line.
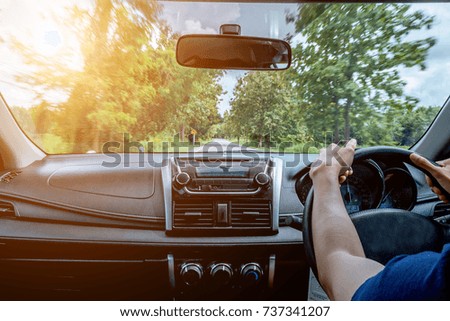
441,174
334,162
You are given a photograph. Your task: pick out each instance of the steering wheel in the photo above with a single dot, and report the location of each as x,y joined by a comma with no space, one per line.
386,232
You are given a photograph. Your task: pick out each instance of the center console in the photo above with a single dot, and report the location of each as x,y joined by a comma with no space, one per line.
223,196
220,197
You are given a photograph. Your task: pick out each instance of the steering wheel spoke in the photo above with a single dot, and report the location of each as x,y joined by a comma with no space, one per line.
386,233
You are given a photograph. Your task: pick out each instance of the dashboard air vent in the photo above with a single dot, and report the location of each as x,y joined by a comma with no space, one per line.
7,209
193,214
442,213
9,176
251,214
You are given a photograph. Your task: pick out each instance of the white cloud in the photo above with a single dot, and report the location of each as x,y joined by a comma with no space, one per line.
195,26
211,15
432,85
413,83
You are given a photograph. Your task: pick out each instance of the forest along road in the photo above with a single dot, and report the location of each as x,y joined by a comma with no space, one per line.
220,145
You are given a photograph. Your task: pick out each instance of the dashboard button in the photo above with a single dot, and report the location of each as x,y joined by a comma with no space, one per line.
191,273
182,179
221,273
251,274
222,214
262,179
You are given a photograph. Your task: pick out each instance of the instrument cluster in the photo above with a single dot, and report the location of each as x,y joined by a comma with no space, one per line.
372,185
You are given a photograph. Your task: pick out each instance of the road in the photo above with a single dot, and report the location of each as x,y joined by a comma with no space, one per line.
220,145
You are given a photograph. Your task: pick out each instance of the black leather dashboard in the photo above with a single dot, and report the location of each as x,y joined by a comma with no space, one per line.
82,227
80,189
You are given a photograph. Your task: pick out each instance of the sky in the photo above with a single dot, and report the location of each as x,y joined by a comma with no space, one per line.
39,23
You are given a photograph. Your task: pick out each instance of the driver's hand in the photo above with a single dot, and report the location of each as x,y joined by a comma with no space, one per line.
334,162
441,174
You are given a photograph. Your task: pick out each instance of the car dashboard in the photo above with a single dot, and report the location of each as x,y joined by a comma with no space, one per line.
185,227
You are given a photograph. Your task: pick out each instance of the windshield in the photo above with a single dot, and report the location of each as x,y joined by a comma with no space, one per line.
96,76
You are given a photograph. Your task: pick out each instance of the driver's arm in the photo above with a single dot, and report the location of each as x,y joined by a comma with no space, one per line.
341,263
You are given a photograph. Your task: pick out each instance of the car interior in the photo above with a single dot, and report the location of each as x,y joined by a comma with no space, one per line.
215,222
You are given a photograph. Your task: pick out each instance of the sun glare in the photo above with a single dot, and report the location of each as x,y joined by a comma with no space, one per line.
44,31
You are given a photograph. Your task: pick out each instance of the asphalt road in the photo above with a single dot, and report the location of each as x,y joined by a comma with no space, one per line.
220,145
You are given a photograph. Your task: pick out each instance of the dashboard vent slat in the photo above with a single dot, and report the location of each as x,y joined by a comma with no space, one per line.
442,213
202,214
9,176
251,214
193,214
7,209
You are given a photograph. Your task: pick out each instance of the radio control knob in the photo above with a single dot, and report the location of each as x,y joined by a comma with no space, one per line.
262,179
182,179
221,273
251,273
191,273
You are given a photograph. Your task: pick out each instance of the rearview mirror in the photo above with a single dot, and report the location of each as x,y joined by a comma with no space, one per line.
233,52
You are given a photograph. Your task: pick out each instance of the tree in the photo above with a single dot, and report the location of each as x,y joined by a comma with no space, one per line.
411,125
264,108
191,101
103,96
346,70
129,81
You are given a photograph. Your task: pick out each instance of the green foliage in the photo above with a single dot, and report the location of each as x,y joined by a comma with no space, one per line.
264,109
344,82
410,126
54,144
37,122
129,82
24,119
346,72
